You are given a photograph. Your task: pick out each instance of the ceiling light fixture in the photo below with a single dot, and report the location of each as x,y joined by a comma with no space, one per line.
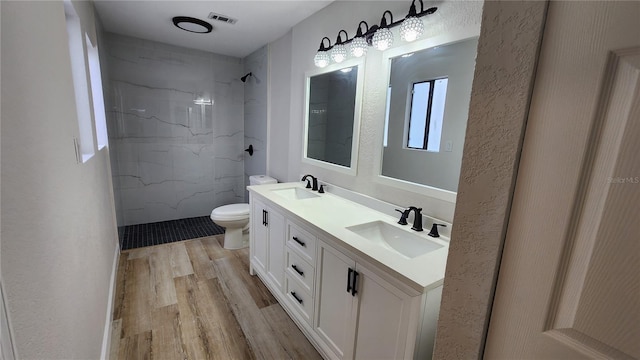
378,36
191,24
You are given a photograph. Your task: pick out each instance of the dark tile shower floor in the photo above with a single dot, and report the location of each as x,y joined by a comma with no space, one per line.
141,235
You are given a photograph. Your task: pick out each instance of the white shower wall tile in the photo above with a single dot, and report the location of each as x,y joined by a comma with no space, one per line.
175,158
255,114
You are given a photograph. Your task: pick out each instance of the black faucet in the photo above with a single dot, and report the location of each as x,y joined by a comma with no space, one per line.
315,182
417,218
403,217
434,230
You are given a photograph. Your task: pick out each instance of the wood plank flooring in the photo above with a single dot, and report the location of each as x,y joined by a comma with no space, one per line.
196,300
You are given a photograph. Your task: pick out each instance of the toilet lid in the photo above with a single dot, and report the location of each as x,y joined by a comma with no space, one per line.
230,212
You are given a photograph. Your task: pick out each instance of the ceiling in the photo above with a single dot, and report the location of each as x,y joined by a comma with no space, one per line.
259,22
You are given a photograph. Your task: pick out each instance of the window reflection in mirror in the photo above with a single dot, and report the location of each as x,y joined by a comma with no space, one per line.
427,110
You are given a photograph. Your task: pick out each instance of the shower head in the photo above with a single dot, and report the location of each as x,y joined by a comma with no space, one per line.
244,78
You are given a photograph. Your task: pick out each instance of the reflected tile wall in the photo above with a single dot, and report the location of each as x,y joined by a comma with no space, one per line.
176,126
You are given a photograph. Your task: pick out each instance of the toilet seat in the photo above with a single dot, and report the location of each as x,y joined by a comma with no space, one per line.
230,212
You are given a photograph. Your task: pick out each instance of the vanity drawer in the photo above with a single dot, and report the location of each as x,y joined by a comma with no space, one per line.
302,241
300,270
299,298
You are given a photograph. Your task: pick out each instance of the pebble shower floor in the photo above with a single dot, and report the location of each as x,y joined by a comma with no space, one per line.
141,235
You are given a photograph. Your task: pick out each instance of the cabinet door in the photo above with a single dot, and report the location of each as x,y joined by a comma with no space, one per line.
334,319
277,238
383,318
259,235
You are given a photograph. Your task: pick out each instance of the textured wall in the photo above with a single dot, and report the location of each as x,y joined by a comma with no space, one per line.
58,224
505,66
305,39
255,113
176,157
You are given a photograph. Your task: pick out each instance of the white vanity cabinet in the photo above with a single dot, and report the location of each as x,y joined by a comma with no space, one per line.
348,305
358,313
267,239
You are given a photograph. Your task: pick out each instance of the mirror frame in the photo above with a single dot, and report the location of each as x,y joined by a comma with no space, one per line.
447,38
355,142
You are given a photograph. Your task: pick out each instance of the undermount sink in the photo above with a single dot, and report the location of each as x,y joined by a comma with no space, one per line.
395,239
295,193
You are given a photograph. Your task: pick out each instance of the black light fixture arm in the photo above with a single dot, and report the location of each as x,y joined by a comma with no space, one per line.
368,34
339,39
323,47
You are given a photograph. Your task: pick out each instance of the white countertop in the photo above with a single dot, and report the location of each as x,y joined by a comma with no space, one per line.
332,214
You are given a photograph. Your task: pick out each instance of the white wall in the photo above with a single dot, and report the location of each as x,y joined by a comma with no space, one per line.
58,222
256,99
279,107
304,43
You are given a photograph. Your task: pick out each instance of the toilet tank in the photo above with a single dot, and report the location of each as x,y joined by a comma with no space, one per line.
261,180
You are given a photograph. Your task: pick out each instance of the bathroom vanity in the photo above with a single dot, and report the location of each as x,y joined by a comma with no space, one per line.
356,283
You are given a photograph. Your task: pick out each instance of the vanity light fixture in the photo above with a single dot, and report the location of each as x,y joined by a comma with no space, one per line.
359,43
412,27
322,57
191,24
383,37
339,50
378,36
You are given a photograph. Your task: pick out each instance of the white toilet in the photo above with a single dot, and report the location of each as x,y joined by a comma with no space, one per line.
235,217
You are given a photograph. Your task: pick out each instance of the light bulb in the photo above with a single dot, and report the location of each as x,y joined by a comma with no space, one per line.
339,53
321,59
411,29
382,39
359,47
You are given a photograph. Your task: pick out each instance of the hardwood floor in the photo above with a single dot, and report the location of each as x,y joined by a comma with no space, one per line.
196,300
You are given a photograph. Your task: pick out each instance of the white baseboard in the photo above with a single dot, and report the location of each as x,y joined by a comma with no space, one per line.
106,338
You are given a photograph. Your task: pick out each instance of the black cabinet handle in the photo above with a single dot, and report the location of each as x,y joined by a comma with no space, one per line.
354,287
293,293
349,280
299,241
266,217
297,270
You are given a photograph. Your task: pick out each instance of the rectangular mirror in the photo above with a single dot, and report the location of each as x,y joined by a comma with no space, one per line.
427,108
332,116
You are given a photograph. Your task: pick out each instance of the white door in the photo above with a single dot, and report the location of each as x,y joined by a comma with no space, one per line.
569,281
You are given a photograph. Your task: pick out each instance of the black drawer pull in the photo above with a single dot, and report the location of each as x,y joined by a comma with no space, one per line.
299,241
349,280
354,287
293,293
300,272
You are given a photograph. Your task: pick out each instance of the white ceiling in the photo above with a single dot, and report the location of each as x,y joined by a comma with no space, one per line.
259,22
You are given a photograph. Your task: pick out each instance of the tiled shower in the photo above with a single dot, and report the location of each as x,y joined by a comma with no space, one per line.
176,130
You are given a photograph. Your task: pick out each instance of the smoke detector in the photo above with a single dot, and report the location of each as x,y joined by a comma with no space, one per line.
223,18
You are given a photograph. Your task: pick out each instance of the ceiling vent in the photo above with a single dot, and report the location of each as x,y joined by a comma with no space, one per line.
223,18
